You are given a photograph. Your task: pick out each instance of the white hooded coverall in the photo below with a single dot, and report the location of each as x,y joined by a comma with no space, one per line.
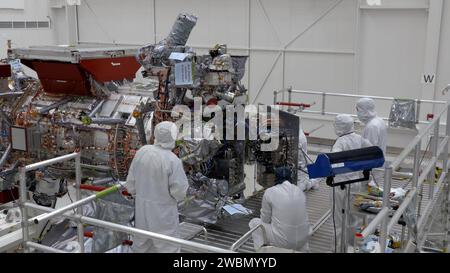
348,140
157,178
284,217
375,130
303,181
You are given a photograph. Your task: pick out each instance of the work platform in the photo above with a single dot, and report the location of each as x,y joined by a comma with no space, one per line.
227,231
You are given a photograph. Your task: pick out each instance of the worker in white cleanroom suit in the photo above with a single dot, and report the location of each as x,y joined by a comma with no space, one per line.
157,179
347,140
375,129
303,181
283,215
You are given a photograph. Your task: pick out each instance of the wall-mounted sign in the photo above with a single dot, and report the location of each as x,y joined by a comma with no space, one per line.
428,79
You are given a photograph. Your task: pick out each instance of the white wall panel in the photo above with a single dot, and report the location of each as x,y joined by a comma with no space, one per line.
24,38
268,32
59,23
276,23
443,77
263,63
335,31
108,21
324,72
392,52
12,4
218,21
313,60
33,10
392,55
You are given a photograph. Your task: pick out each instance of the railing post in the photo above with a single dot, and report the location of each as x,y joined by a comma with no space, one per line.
386,193
419,202
446,204
275,95
416,171
23,208
323,102
447,133
345,223
416,167
445,212
289,98
418,102
80,229
434,148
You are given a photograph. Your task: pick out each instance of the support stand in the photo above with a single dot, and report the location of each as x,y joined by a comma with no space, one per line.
345,216
345,186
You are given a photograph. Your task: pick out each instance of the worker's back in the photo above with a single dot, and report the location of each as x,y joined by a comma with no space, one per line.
154,170
349,142
157,178
288,215
376,132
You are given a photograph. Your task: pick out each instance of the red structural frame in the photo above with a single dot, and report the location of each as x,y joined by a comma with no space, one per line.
73,78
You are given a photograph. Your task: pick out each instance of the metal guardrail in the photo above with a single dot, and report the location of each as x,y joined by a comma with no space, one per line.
247,236
439,151
24,194
133,231
79,218
325,95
